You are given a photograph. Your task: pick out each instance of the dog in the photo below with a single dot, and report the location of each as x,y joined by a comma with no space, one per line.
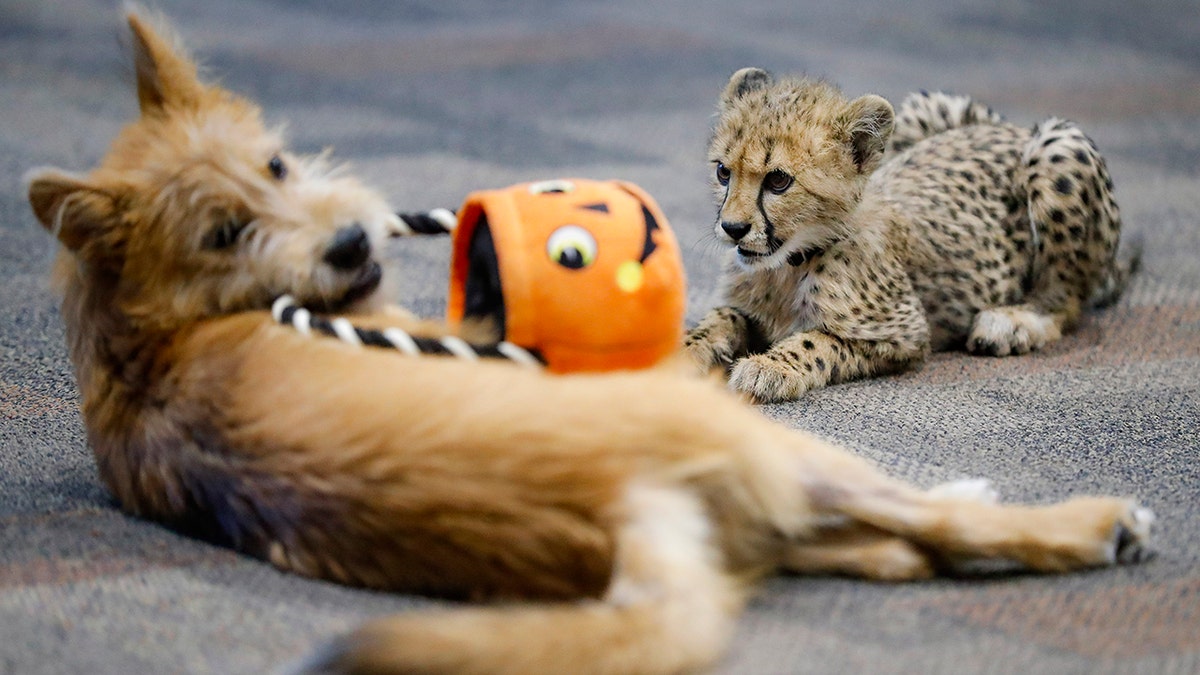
616,521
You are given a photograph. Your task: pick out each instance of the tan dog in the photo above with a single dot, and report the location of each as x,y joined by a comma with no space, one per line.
633,508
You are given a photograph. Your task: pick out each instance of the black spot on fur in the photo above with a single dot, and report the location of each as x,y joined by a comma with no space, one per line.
1064,185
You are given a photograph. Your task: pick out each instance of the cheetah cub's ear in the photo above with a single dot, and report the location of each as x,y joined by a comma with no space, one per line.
867,123
743,82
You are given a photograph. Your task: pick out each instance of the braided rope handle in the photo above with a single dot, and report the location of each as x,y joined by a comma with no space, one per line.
435,221
287,312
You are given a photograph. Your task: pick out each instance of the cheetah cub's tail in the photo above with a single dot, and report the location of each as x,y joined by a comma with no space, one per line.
1116,277
926,114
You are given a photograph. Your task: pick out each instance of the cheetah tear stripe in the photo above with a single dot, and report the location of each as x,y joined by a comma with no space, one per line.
286,312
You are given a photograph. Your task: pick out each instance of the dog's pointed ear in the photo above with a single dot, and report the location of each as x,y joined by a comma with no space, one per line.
867,123
71,208
743,82
165,73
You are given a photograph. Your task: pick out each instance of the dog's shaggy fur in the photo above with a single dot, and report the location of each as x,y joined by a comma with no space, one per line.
632,507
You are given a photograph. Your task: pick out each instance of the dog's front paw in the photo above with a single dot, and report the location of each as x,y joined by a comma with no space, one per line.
767,380
1131,536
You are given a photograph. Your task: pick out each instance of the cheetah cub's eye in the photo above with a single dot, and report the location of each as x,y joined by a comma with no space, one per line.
277,168
777,181
723,174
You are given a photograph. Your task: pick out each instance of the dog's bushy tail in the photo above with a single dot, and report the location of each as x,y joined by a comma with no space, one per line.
670,608
926,114
588,638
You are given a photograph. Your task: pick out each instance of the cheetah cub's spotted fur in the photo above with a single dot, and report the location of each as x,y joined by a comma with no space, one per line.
859,243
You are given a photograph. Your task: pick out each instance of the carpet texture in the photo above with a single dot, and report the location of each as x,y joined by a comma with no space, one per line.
429,100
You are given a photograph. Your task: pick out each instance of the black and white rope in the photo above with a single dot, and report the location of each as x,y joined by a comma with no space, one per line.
435,221
286,311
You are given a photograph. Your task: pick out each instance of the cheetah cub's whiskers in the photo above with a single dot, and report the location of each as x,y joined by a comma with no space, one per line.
861,239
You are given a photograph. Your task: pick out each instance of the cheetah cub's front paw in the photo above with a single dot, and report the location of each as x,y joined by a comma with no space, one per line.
706,355
766,379
1010,330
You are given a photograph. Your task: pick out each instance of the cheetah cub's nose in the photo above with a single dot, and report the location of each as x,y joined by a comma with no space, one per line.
349,248
736,230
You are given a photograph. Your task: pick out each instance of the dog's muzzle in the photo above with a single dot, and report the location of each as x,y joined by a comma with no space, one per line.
349,249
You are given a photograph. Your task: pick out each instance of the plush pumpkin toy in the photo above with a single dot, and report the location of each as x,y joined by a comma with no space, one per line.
585,274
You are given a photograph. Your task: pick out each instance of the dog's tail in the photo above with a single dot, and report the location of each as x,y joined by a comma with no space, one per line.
926,114
669,609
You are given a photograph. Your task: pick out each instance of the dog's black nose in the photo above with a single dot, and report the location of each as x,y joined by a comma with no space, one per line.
736,230
349,249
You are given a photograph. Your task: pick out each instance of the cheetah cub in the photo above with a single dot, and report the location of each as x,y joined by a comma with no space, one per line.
858,244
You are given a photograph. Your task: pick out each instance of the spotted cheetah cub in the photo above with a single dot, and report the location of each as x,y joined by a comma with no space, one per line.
859,243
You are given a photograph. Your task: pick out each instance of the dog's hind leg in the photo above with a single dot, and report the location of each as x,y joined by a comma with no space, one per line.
849,547
857,550
963,529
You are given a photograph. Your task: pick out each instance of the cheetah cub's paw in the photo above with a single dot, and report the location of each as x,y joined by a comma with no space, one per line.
969,489
1131,536
766,379
1010,330
707,355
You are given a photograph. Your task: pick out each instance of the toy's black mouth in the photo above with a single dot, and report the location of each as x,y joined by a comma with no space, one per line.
483,303
747,253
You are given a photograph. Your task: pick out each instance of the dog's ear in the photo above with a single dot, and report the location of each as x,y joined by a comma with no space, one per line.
166,76
743,82
79,214
867,123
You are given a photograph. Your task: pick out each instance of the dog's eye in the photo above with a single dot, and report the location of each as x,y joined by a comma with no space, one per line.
777,181
277,168
226,234
723,174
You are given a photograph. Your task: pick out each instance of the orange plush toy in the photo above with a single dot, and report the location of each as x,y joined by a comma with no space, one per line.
586,274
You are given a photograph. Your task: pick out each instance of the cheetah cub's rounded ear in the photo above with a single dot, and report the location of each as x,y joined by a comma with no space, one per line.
743,82
868,122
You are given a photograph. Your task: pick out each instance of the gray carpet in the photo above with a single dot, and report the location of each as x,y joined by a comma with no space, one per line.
429,100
